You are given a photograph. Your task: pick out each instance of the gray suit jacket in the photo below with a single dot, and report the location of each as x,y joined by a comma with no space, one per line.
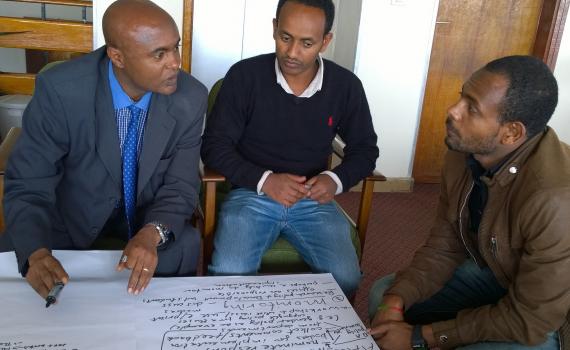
64,178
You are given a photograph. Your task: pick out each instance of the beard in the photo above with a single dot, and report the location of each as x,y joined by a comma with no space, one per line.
475,145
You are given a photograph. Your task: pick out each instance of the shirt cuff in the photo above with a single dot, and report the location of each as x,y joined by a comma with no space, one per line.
335,179
262,181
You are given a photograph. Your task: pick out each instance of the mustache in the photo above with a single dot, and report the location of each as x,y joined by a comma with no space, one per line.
449,125
292,60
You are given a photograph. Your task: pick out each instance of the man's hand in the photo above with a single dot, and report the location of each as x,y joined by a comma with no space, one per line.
286,189
140,256
322,188
44,271
393,335
392,309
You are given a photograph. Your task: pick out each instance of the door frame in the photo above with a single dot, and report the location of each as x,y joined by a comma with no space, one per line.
549,31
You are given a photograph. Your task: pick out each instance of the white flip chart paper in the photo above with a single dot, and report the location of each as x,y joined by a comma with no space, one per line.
94,311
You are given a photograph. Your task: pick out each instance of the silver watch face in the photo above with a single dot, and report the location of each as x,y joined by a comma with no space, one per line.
162,231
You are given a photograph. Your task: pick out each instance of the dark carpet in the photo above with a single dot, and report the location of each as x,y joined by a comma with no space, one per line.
399,224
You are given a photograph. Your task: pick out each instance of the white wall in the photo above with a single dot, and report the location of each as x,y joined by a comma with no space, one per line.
222,38
394,46
561,119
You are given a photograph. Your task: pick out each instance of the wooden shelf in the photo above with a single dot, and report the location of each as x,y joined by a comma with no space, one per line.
86,3
46,35
17,83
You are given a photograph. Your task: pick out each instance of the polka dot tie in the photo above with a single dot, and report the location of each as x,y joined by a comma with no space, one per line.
130,167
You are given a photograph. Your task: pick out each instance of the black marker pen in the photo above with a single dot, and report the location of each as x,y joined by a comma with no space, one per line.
54,293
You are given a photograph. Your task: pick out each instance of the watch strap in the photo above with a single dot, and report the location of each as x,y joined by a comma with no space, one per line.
162,230
418,341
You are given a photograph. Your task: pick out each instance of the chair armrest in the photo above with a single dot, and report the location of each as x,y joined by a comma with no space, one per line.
366,193
366,203
338,146
7,145
376,176
210,178
209,175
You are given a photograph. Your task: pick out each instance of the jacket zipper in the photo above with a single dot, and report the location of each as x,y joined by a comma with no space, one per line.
494,247
461,224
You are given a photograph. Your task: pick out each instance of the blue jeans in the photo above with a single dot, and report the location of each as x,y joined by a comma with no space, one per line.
470,287
249,224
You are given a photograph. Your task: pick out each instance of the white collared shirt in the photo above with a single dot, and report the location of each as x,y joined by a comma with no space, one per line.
314,87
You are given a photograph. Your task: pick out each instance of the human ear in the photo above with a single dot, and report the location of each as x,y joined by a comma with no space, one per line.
326,41
514,132
275,28
115,56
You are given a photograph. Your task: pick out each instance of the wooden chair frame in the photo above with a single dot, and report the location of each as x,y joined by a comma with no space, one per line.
211,178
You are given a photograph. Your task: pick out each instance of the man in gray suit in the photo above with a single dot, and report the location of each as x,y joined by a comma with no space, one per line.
109,151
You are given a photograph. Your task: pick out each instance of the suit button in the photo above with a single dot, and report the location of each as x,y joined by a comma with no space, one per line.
94,230
443,338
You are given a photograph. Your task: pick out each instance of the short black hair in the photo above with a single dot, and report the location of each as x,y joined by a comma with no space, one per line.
326,5
532,95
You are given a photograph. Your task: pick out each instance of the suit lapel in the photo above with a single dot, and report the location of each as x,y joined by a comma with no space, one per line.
158,130
107,139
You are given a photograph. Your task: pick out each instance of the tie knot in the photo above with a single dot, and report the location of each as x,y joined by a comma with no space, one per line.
135,111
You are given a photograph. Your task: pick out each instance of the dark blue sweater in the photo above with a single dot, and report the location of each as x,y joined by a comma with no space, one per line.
256,126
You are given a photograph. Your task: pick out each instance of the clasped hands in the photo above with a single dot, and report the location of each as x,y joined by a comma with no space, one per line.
141,258
388,327
287,189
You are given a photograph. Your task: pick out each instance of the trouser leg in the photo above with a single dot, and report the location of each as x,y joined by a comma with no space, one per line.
248,224
321,234
469,287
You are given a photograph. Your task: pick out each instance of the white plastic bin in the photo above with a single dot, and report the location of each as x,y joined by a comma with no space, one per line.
11,110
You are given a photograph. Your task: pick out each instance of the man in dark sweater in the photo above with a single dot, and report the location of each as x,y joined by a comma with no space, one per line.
270,134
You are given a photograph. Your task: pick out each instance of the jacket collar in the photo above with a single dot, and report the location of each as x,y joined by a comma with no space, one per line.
511,168
107,141
158,131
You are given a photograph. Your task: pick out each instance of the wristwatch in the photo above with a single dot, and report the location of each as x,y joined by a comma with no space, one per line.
162,230
418,341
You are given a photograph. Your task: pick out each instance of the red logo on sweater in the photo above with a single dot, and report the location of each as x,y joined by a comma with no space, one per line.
330,121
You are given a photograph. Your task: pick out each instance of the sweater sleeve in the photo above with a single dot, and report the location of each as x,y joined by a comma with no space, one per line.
357,131
224,129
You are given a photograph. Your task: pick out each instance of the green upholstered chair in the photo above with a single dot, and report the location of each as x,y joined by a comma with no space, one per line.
281,257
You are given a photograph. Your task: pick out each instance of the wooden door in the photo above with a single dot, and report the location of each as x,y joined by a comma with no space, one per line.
468,34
